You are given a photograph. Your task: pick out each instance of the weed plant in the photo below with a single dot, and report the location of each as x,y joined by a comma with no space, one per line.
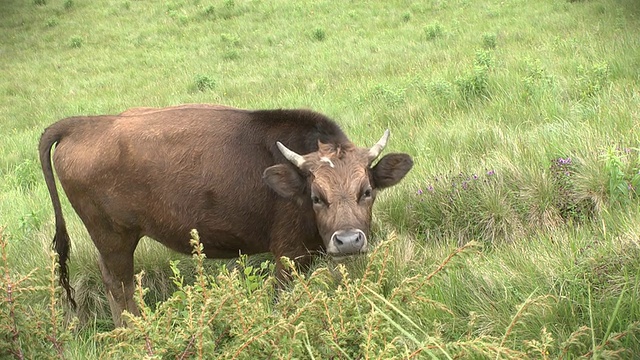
329,313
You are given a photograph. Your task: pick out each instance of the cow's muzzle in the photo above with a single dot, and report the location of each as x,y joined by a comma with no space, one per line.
347,242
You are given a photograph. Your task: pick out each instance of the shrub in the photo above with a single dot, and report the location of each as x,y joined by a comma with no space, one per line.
593,79
204,83
474,84
28,332
388,95
26,175
319,34
489,41
441,89
218,316
209,10
433,31
52,22
75,42
623,170
230,10
536,80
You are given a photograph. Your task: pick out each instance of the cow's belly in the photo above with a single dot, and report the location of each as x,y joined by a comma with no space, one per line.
217,244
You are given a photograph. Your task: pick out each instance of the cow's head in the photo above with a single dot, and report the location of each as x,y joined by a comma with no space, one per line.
341,184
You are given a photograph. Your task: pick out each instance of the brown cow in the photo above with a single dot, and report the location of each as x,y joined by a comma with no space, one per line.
223,171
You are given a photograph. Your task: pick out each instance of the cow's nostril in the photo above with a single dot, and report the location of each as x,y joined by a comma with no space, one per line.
348,241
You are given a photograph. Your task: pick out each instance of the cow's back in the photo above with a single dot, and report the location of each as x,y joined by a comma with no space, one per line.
161,172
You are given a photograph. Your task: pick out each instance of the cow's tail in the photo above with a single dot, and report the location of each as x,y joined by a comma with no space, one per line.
61,241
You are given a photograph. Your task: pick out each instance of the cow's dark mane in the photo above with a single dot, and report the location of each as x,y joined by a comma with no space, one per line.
291,124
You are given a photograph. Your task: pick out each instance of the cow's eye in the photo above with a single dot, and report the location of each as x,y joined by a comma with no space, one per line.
316,200
366,194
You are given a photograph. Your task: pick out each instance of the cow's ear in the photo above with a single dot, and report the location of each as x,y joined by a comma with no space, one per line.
284,180
390,170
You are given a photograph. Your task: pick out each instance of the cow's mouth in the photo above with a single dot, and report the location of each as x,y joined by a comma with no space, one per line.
342,258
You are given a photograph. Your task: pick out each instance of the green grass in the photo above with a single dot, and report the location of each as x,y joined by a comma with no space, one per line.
487,96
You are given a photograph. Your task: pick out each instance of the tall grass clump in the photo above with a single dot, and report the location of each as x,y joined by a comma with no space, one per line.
507,205
467,206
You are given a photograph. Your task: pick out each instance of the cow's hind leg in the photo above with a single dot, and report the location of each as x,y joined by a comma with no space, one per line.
116,266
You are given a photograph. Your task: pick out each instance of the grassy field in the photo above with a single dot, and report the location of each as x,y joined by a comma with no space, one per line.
516,235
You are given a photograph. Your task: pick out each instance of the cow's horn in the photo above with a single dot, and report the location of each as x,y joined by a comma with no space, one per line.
376,149
296,159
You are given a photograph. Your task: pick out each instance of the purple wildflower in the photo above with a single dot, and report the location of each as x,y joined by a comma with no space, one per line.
474,177
419,191
563,161
491,172
464,185
430,188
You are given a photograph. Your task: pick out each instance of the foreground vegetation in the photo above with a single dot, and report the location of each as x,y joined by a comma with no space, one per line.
516,235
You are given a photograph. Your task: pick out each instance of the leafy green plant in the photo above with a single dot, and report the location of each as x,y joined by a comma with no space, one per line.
26,175
389,95
489,41
209,11
484,59
623,174
319,34
475,84
433,31
51,22
204,83
75,42
537,80
591,80
230,9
